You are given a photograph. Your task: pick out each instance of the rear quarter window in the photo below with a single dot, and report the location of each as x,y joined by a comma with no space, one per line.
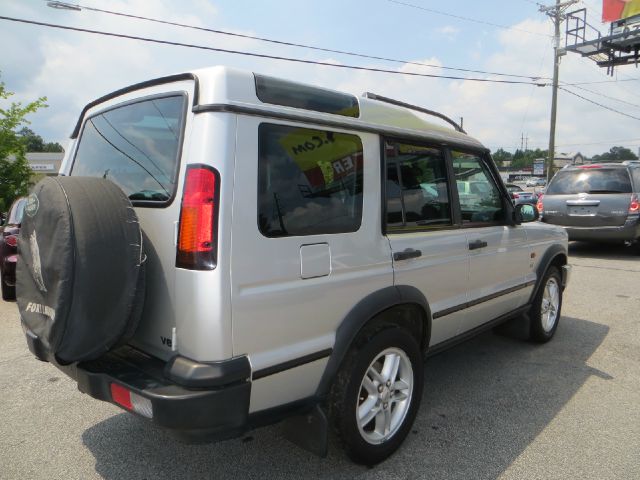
17,211
309,181
136,146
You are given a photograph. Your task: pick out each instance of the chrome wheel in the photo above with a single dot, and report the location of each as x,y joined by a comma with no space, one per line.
550,304
385,396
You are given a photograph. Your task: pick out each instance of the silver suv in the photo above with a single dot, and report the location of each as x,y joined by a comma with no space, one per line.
596,203
227,250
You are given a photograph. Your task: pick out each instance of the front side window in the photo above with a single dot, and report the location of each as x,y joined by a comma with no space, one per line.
416,188
309,181
480,198
136,146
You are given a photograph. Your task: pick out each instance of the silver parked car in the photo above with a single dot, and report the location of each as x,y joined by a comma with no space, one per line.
597,203
227,250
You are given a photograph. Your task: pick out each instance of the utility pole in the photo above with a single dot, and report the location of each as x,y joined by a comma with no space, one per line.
556,13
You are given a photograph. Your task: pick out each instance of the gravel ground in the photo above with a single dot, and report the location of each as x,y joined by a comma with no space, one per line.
494,407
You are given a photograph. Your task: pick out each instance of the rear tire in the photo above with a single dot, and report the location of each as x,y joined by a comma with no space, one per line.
545,312
375,397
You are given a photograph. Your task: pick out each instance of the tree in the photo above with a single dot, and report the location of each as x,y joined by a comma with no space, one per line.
616,154
15,173
500,156
34,142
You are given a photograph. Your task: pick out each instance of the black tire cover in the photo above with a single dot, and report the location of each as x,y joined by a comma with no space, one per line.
80,271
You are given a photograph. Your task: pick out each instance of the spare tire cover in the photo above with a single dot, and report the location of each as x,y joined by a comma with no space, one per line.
80,276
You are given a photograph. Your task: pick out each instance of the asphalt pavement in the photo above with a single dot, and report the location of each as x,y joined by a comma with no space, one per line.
493,407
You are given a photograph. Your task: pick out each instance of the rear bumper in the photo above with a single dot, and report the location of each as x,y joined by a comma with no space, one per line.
626,233
192,414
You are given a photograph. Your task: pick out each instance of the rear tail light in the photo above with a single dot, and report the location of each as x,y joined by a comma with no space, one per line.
197,234
634,205
539,204
131,401
11,240
515,195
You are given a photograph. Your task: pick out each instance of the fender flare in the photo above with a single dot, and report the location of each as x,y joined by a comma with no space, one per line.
366,309
552,253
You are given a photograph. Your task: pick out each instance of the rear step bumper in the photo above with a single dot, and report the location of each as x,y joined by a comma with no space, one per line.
194,415
627,232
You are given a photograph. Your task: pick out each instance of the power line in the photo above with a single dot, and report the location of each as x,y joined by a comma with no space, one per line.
598,104
602,81
286,43
607,96
467,19
271,57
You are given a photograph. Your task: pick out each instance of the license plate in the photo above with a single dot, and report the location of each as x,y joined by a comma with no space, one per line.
582,211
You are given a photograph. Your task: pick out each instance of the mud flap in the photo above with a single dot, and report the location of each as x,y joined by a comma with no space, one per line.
309,431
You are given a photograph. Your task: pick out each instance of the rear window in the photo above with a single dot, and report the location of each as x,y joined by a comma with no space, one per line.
310,181
588,180
15,215
136,146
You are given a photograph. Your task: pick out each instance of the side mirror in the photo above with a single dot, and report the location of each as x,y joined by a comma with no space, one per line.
526,212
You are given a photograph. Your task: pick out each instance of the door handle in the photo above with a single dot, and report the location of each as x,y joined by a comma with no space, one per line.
477,244
407,254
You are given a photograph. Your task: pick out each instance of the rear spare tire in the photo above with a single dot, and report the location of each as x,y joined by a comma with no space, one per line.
80,273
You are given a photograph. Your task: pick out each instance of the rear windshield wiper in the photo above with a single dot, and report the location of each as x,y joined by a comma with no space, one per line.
149,195
606,191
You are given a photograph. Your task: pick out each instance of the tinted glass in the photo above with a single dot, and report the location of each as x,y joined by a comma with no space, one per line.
635,172
310,181
416,187
135,146
15,215
590,180
292,94
480,198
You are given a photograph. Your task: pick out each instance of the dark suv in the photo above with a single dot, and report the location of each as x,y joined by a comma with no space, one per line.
9,249
597,203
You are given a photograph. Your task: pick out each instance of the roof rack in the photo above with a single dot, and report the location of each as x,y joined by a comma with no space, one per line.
380,98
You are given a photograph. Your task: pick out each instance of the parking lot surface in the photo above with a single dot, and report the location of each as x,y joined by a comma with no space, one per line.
493,407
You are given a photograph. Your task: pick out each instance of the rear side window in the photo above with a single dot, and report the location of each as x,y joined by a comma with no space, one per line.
636,178
136,146
309,181
590,180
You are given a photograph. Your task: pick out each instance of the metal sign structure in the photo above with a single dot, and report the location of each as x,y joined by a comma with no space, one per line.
621,46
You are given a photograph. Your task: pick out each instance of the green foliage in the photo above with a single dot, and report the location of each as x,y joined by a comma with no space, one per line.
15,173
34,142
519,159
616,154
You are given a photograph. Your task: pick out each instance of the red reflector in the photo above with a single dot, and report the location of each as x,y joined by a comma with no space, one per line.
11,240
121,396
197,236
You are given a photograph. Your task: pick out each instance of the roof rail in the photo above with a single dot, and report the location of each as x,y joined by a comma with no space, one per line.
380,98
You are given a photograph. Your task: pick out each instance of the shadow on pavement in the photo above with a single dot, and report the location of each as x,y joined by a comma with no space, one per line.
485,401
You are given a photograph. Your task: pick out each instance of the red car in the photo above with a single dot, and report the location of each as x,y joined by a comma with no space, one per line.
9,249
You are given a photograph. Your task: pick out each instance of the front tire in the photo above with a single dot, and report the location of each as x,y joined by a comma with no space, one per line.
545,312
375,397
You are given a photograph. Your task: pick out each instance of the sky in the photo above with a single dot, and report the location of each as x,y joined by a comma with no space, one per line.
72,68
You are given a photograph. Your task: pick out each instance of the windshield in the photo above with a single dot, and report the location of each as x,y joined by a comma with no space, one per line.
602,180
136,146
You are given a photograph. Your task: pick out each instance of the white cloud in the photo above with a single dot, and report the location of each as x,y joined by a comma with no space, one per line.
73,68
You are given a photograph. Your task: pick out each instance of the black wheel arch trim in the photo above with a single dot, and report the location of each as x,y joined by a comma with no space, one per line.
553,252
366,309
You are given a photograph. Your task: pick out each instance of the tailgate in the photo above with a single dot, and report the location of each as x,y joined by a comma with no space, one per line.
587,210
